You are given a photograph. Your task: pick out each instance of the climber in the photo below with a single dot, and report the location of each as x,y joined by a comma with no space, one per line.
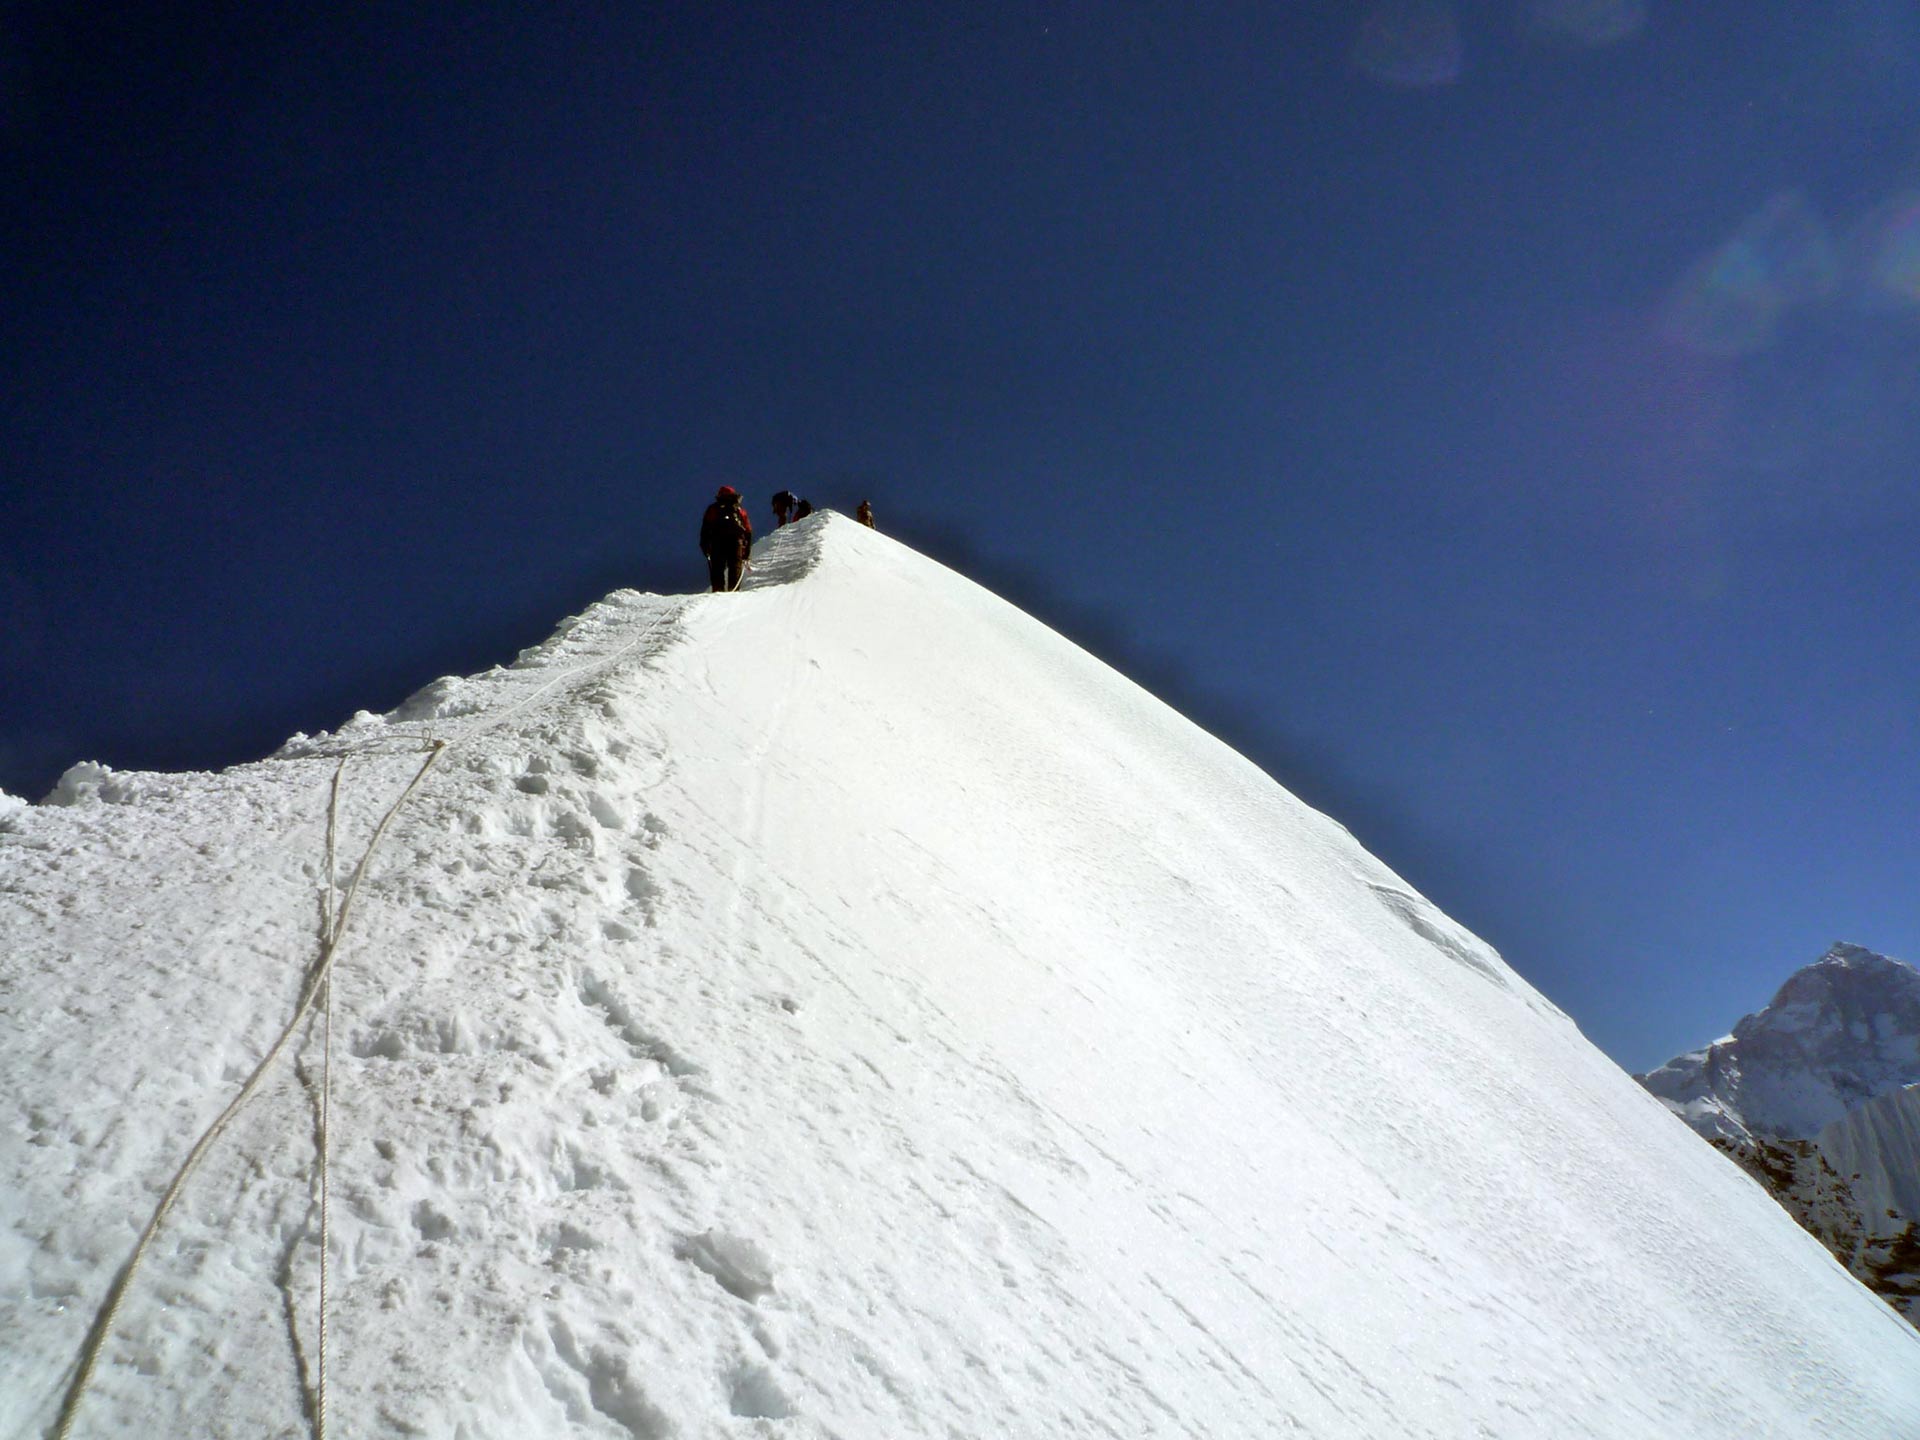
726,539
864,513
782,508
802,508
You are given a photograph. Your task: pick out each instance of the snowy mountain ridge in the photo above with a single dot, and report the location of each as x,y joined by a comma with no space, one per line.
842,1008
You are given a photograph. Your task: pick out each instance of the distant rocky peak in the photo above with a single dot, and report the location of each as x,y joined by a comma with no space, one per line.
1838,1033
1844,961
1814,1096
1850,989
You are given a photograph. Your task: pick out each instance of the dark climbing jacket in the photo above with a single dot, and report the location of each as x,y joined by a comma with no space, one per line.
725,531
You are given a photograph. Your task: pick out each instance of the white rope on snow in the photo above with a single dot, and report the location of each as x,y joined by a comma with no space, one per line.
103,1325
333,929
326,1099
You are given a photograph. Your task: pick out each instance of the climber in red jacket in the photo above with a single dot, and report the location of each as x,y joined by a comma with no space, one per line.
726,539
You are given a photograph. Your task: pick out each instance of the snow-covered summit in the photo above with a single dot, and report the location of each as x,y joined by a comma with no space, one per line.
842,1008
1838,1033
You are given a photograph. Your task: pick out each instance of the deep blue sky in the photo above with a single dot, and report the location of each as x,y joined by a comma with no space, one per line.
1500,420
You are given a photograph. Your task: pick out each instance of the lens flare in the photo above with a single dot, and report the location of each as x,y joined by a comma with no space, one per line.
1589,23
1414,44
1732,301
1893,248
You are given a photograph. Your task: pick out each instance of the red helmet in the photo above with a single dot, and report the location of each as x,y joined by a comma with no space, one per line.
727,492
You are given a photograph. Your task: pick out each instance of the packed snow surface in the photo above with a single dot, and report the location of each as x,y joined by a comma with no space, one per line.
843,1008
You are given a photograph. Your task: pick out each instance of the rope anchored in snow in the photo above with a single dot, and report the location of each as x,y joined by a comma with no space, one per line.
333,932
316,980
330,938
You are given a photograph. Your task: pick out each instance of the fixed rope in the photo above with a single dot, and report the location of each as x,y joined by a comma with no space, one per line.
316,979
330,938
333,932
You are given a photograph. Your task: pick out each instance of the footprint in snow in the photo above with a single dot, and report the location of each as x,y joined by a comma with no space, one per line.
753,1393
737,1265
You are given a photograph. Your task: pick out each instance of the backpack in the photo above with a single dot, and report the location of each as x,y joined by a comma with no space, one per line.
730,528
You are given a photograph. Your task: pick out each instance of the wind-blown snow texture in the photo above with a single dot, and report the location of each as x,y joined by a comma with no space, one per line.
845,1008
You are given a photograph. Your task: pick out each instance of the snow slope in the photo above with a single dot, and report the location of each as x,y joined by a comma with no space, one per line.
845,1008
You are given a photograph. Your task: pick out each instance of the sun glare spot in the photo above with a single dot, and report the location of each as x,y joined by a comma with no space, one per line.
1893,248
1414,44
1589,23
1731,301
